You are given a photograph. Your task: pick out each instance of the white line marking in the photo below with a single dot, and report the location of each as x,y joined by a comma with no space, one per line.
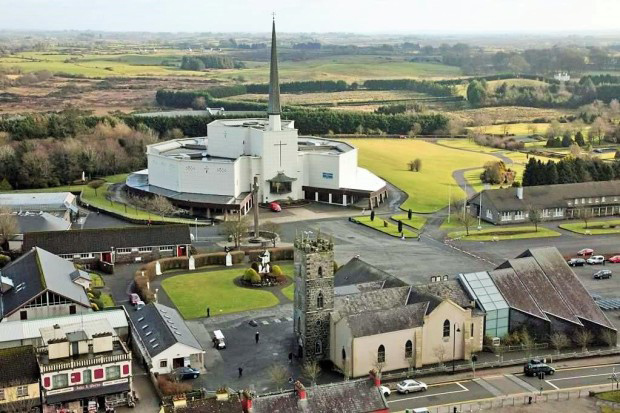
434,394
276,320
265,322
552,385
289,319
581,377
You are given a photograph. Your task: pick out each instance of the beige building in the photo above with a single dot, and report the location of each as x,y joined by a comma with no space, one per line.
19,379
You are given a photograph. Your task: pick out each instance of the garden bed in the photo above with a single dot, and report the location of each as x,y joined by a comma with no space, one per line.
416,222
502,234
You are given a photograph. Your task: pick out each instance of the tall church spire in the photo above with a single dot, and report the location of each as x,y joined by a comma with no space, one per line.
273,109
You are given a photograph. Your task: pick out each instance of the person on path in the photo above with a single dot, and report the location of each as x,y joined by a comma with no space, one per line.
290,358
256,337
240,372
208,312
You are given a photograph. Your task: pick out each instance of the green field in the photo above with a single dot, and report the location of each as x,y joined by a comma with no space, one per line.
594,227
416,221
379,225
514,129
96,281
107,300
503,233
193,293
289,290
428,189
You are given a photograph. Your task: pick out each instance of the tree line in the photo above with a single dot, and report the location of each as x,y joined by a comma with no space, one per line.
422,86
569,170
210,62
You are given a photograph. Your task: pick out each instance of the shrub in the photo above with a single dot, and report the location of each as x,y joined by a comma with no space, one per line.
98,303
169,388
335,264
255,266
95,293
277,254
276,270
252,276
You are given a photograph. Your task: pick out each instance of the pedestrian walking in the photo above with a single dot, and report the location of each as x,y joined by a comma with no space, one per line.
240,372
256,337
290,358
208,312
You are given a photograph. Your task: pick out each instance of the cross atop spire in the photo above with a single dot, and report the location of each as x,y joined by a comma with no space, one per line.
274,82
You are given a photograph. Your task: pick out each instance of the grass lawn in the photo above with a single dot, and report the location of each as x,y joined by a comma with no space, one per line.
416,221
378,224
96,281
107,300
503,233
289,291
193,293
612,396
594,227
75,188
518,129
428,189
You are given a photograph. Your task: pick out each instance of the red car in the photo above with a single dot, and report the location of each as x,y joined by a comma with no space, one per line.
615,259
585,251
275,207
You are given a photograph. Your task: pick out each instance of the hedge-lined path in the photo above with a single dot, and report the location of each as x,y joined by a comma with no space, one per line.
275,290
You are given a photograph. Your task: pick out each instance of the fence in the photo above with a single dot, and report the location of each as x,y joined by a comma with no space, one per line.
520,400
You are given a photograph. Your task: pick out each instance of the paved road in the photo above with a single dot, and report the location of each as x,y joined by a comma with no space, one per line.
466,391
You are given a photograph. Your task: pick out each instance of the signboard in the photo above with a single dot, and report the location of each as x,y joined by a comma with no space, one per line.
328,175
86,386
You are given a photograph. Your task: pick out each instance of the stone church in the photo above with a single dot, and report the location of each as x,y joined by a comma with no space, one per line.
381,322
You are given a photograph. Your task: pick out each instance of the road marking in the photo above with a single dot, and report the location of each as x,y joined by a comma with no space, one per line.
265,322
434,394
552,385
581,377
289,319
521,383
276,320
488,387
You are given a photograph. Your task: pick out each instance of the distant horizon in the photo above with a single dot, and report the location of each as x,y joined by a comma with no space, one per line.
372,17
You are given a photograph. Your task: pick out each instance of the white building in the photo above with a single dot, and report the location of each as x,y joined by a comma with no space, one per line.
562,76
215,174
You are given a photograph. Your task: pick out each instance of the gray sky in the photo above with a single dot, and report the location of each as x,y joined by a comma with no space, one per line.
387,16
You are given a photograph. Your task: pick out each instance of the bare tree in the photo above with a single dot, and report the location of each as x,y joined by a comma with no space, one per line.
609,337
311,370
585,214
96,184
160,205
559,341
583,337
440,352
235,228
278,375
272,228
8,227
466,219
535,216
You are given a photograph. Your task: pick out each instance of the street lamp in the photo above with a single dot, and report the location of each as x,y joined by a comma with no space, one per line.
456,330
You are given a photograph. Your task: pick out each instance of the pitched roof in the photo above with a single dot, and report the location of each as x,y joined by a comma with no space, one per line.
103,239
37,201
370,301
19,365
212,405
548,196
358,271
38,271
31,222
370,323
161,327
515,293
446,290
355,396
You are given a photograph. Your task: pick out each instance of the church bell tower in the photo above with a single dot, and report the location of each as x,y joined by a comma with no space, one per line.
274,109
314,296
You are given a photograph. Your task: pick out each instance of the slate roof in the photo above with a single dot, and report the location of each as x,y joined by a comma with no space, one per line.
35,272
371,301
41,222
393,319
515,293
549,196
102,239
358,271
19,364
355,396
447,290
211,405
161,327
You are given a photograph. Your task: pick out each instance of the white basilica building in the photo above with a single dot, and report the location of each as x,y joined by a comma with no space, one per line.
214,174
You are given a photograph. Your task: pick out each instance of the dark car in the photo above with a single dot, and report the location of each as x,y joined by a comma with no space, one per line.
576,262
184,373
602,275
535,369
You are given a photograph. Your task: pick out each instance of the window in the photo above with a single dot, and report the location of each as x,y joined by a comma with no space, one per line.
319,300
145,249
60,381
506,216
576,201
546,213
98,374
163,364
112,372
2,390
583,200
320,271
23,315
167,248
66,256
87,377
72,309
22,391
318,347
344,354
603,199
519,215
446,328
381,354
557,212
408,349
472,330
318,323
589,200
489,214
123,250
597,200
88,255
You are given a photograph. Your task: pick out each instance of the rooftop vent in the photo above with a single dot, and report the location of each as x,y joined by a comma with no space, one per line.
140,319
145,326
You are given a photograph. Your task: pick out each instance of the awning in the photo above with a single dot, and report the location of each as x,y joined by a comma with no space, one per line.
281,178
87,393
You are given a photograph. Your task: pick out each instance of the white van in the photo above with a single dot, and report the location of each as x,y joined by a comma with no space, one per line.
218,339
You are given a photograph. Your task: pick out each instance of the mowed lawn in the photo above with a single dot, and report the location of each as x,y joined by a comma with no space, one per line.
193,293
428,189
594,227
503,233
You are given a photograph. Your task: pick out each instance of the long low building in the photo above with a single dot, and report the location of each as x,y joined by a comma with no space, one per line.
556,202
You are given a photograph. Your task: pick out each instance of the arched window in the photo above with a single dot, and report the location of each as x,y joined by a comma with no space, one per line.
408,349
318,323
381,354
344,354
318,347
319,300
320,271
446,328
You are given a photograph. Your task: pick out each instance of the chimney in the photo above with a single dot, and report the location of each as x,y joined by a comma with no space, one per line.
246,402
374,376
520,192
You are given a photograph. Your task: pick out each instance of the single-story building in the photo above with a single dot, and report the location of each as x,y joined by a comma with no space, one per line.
556,202
62,204
40,284
19,380
163,340
112,245
28,221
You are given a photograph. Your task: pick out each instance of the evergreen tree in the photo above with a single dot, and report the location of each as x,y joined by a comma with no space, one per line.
567,141
529,173
579,140
551,173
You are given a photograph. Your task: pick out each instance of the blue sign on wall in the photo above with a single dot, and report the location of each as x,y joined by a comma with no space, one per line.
328,175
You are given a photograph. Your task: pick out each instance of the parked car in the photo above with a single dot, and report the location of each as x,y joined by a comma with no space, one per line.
602,275
134,298
576,262
385,391
596,259
535,369
421,410
585,251
275,207
615,259
409,386
184,373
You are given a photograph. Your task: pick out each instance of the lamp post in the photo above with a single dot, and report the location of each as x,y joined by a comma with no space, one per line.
196,229
456,330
